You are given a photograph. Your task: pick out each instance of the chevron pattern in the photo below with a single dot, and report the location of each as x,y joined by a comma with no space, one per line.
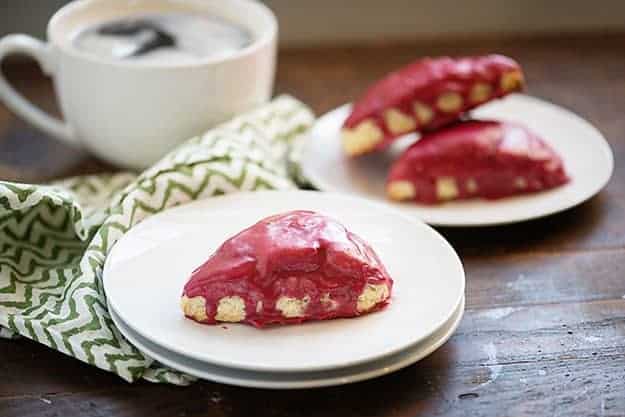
54,239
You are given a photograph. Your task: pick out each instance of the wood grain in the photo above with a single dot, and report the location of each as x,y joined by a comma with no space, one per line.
520,279
544,331
555,359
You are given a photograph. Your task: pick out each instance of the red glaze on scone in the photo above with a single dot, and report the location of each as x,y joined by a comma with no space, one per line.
475,159
288,268
425,95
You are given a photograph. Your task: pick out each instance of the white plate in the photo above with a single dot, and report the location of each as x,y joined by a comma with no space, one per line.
293,380
145,273
586,154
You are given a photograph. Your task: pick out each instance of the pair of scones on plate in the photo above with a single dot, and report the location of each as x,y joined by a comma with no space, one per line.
455,158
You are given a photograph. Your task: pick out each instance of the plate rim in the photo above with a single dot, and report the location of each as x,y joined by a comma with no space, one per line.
407,357
260,367
324,186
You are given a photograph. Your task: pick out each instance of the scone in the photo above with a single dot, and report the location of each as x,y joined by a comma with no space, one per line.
471,159
288,268
425,95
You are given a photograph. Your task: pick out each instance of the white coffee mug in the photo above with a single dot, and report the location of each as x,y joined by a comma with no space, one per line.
131,114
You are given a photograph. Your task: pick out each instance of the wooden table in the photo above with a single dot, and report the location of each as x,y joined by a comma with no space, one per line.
544,330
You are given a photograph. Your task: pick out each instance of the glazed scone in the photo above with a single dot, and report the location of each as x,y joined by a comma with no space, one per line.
474,158
426,95
288,268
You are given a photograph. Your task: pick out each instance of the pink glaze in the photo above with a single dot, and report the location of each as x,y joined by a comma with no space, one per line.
493,154
295,254
425,80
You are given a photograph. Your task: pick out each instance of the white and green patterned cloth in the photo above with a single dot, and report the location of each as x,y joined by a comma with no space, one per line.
54,239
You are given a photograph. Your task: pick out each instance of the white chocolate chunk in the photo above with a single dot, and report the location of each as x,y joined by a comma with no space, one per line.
370,296
231,309
423,113
259,306
362,138
446,188
512,80
480,92
398,122
520,183
327,302
194,307
449,102
471,185
401,190
292,307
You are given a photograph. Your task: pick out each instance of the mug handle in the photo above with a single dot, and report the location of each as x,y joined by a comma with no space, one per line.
23,44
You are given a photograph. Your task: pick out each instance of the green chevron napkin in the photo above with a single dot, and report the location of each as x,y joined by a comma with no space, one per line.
54,238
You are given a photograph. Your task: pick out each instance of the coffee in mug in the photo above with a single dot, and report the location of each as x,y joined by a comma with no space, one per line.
154,38
134,78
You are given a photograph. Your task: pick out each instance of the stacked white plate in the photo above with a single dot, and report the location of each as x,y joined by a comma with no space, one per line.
145,273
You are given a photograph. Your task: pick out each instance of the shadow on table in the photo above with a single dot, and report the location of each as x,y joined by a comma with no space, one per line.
586,226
